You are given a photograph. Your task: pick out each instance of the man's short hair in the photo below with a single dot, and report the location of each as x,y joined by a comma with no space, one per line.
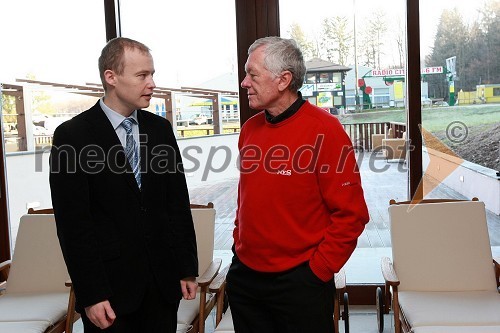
112,55
280,55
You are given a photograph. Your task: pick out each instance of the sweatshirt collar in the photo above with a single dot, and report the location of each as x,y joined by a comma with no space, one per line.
287,113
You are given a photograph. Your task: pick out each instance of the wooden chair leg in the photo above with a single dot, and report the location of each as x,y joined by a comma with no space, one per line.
397,319
336,312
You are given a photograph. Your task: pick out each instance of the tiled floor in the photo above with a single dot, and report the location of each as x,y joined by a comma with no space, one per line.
382,181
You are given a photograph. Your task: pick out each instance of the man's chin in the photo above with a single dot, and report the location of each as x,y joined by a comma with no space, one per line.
144,105
255,106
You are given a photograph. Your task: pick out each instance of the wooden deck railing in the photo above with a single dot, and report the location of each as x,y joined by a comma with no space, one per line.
361,133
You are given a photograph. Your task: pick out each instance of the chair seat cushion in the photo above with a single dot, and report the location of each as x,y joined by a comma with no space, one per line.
457,329
188,309
24,327
226,323
472,308
19,307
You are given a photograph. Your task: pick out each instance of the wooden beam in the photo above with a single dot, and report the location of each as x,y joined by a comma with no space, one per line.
111,19
224,92
4,215
254,19
413,100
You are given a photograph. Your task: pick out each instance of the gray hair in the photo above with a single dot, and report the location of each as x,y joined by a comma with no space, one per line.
280,55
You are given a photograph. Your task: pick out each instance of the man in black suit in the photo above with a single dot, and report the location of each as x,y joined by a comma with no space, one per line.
121,203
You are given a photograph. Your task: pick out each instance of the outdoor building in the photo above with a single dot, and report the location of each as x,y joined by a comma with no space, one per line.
386,90
324,84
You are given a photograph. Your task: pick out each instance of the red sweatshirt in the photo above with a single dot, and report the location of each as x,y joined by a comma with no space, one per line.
300,195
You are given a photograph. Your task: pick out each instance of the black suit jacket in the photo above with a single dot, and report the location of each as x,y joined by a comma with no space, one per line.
115,236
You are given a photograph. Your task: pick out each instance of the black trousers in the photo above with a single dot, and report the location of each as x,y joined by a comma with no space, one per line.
153,315
292,301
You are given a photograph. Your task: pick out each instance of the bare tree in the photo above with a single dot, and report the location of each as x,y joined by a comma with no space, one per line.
337,39
306,46
373,36
399,35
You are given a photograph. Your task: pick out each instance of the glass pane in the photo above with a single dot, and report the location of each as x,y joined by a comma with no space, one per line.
368,98
194,46
460,115
53,41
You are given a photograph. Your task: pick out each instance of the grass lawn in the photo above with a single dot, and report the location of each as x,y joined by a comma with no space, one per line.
478,141
433,118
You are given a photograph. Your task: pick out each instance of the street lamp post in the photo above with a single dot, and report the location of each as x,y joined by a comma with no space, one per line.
356,74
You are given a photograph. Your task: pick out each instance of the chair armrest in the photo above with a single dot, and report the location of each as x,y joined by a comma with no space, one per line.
339,278
219,281
218,286
210,273
389,273
4,274
391,280
5,268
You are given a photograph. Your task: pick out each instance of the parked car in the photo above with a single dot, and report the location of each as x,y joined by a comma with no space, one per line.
441,103
39,130
199,119
426,101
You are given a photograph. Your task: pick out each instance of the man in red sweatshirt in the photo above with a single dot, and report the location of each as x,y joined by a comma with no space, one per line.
300,208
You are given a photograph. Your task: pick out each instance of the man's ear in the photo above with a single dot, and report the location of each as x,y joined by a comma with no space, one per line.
110,77
285,80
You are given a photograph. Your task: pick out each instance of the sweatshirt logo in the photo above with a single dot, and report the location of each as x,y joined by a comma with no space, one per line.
285,172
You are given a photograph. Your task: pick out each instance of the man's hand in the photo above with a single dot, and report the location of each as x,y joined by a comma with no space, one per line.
188,287
101,314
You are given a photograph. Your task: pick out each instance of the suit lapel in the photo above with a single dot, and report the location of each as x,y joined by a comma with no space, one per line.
144,132
106,138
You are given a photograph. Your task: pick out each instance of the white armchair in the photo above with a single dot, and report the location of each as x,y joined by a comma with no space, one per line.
36,298
442,277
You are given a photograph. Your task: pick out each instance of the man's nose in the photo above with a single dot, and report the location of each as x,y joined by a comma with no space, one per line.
152,83
244,83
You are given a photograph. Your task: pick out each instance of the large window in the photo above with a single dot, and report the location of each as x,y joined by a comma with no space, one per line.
368,37
194,46
51,47
50,41
461,117
54,41
459,80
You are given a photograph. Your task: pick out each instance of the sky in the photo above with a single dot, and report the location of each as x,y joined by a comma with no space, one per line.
192,41
430,12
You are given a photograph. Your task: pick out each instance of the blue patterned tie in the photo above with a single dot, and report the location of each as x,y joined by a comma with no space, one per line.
131,149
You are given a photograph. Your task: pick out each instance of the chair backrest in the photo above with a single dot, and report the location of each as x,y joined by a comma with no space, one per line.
441,246
37,261
204,225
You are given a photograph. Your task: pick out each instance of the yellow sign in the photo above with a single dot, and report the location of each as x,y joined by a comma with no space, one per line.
325,99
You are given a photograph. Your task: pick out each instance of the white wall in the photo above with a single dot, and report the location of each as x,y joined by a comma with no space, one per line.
469,179
27,182
28,172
